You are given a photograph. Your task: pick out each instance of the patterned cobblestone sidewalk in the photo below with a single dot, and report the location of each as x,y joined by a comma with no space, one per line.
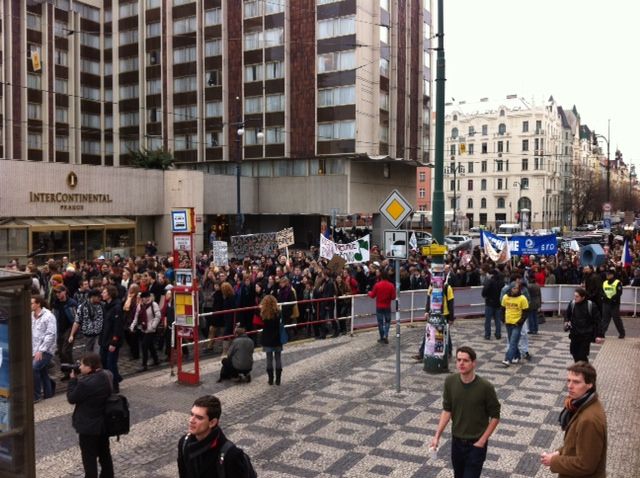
337,413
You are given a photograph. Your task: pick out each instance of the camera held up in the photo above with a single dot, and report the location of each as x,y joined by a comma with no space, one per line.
68,367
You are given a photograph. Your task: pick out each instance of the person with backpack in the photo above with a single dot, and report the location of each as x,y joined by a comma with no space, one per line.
582,321
89,393
205,451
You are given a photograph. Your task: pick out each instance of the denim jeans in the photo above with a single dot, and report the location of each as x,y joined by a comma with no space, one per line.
110,362
41,379
467,459
513,332
523,343
533,321
495,314
384,322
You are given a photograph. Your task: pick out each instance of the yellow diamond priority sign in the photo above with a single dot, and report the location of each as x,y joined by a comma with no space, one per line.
395,209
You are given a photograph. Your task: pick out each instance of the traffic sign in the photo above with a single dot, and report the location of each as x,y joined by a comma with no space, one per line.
433,250
395,209
395,244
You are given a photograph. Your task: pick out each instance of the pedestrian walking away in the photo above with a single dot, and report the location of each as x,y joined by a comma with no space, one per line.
584,451
471,404
89,392
383,292
582,321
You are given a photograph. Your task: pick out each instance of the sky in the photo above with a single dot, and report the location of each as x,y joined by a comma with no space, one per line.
581,52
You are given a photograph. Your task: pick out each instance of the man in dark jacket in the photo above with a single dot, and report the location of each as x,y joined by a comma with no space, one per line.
611,293
199,450
64,308
89,393
582,320
239,359
112,333
492,308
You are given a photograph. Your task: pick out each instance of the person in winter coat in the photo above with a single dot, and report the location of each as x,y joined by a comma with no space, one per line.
383,292
492,307
89,393
239,360
611,293
112,333
584,451
582,320
271,343
146,321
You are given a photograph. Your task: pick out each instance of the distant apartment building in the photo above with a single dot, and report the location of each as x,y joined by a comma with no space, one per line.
323,105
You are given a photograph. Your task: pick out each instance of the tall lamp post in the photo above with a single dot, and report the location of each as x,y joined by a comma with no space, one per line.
239,134
454,169
606,138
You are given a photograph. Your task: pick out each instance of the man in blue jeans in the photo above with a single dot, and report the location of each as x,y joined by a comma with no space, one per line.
492,308
383,292
43,343
471,403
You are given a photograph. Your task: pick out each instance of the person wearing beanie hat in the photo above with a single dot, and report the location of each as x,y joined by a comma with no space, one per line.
611,293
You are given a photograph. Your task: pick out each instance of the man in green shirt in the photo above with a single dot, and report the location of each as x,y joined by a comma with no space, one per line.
472,405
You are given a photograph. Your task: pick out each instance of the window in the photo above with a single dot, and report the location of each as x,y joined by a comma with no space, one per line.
184,25
470,203
213,109
485,130
213,16
128,64
525,164
62,143
499,165
153,4
213,78
89,120
60,28
472,131
214,139
128,36
90,39
34,111
452,150
483,203
129,118
33,21
153,57
252,9
471,149
108,68
470,167
154,29
213,47
383,134
253,72
275,103
62,115
127,145
274,70
90,147
88,66
85,11
484,148
452,204
275,135
184,55
336,61
525,126
185,113
154,86
454,133
128,92
34,140
422,193
252,136
184,83
337,130
153,115
90,93
273,37
538,127
108,122
525,145
272,7
341,95
336,27
34,81
469,184
422,176
500,203
181,2
483,166
252,40
128,9
500,147
384,67
483,185
253,104
502,128
384,100
524,183
61,85
452,185
500,183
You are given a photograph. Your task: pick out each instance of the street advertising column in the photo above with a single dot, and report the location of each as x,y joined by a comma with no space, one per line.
436,329
17,456
183,227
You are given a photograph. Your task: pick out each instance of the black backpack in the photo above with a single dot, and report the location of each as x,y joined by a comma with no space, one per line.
249,471
116,415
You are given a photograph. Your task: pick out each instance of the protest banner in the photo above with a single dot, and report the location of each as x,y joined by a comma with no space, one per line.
353,252
220,253
285,238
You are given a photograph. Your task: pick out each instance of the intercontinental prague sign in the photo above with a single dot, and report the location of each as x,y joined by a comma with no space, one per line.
69,201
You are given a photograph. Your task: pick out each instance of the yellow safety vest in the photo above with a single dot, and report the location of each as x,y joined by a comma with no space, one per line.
610,289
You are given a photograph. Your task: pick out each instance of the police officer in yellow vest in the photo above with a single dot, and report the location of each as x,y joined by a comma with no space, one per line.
611,293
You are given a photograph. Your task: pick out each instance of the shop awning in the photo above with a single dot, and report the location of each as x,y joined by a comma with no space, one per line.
64,223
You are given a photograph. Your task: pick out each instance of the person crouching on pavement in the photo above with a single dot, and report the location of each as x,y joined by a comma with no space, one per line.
239,360
89,393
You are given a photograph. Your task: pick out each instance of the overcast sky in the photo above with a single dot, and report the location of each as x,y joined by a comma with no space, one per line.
583,52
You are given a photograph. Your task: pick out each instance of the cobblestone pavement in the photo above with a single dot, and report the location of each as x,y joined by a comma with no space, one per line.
337,412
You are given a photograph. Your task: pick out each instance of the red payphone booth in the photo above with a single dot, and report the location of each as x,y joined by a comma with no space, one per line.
185,291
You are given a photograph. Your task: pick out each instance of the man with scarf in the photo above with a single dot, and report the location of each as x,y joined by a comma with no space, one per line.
584,452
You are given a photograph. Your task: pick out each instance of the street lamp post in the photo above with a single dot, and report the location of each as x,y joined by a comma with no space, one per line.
457,168
606,138
239,134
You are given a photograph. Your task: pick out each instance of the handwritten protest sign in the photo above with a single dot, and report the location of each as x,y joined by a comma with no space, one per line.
353,252
284,238
220,253
261,244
